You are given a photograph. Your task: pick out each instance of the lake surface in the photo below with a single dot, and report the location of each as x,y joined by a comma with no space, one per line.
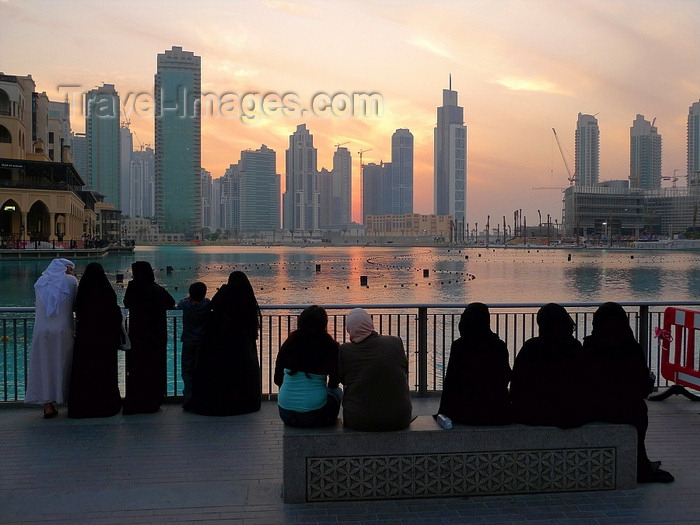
332,275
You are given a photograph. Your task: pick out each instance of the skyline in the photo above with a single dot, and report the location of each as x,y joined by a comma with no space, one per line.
520,68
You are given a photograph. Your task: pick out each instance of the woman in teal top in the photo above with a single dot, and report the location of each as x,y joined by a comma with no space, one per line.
306,372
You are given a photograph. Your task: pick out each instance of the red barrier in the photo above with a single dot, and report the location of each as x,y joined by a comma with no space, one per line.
680,364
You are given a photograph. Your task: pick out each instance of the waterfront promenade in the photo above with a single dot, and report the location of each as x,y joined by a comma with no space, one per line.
175,467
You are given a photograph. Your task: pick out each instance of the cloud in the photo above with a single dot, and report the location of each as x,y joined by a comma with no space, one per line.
532,85
431,47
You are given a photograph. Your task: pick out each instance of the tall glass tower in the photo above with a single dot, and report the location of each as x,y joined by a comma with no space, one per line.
301,196
645,155
402,172
342,186
587,150
178,124
450,159
102,140
694,145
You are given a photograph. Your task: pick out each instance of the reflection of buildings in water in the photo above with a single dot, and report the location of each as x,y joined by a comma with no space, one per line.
693,281
585,280
645,281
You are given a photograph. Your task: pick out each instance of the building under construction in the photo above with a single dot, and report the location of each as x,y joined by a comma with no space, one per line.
616,210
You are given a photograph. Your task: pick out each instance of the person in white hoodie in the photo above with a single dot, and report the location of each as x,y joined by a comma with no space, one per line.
51,353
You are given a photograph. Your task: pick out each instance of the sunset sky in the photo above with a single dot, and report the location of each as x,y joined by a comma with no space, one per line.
521,67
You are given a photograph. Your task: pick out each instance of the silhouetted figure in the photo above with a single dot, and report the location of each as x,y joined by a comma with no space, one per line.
146,361
195,316
374,370
94,383
51,352
547,386
227,378
620,381
306,371
475,390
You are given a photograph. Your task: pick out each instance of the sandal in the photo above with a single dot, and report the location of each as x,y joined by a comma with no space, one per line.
50,413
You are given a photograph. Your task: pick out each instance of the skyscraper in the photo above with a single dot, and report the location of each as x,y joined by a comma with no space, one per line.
694,145
142,182
301,199
402,172
587,150
450,159
376,189
126,149
259,190
102,135
178,142
341,188
645,154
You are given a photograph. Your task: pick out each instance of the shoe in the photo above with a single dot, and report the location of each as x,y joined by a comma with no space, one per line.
51,413
656,476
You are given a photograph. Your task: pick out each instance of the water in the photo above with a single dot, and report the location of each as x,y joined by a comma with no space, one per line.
288,275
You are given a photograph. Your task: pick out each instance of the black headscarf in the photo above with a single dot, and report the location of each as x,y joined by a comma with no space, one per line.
475,319
93,283
554,321
611,326
235,305
143,272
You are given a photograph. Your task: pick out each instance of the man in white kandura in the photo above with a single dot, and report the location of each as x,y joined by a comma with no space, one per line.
51,353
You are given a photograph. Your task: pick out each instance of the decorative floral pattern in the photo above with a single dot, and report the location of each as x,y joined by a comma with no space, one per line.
431,475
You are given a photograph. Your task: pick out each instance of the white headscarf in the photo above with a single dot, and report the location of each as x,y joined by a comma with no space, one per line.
359,325
52,286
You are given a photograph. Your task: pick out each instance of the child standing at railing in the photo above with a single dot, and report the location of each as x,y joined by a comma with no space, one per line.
195,313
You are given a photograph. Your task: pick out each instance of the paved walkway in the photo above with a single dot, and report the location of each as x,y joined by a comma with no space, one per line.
175,467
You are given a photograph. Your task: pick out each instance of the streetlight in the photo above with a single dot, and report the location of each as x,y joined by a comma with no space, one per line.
605,229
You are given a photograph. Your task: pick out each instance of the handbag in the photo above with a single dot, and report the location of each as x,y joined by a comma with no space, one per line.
124,341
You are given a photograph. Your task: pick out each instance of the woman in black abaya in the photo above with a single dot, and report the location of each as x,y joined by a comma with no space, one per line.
94,388
146,373
227,379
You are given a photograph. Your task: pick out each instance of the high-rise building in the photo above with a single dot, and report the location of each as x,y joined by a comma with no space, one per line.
376,189
79,153
587,150
142,182
126,150
450,159
102,134
645,154
301,199
335,191
402,172
694,145
206,200
258,190
178,142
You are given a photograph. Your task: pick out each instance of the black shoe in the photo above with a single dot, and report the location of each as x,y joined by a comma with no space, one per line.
656,476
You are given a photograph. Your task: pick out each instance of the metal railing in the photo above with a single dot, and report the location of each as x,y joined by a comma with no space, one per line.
427,331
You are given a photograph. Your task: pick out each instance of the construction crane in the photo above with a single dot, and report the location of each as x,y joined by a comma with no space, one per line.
572,178
672,178
362,184
341,144
548,188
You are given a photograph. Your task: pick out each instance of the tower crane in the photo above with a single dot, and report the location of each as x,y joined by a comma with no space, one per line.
672,178
341,144
362,184
572,178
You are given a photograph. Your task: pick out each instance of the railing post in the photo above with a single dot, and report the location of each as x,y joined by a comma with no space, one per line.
422,351
643,335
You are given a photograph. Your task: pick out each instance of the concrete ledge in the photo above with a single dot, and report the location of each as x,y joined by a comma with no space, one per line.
423,461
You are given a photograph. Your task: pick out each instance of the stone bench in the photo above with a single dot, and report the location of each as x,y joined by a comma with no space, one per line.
425,461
